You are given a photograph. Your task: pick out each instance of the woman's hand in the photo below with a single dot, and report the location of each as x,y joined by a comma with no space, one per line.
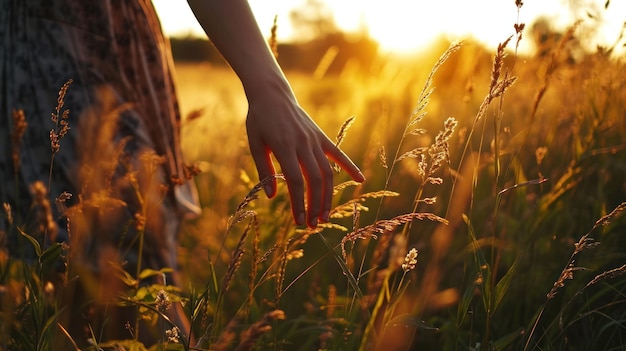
277,124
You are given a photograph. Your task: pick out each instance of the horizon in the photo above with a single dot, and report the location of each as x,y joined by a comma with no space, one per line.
394,27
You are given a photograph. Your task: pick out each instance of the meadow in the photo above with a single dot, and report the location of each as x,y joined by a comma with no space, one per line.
490,218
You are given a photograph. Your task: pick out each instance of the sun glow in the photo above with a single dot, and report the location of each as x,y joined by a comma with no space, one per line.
411,25
401,25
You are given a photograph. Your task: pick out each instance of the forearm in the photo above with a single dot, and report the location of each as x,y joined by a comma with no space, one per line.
232,28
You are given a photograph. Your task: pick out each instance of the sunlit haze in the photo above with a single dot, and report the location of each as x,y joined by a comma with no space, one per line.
410,25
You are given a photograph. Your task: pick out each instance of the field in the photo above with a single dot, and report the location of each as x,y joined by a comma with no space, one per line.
529,181
490,218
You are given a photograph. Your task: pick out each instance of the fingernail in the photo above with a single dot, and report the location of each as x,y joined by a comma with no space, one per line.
326,216
268,190
300,219
313,222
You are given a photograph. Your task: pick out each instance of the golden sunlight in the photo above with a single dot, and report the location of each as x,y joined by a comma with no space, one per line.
406,26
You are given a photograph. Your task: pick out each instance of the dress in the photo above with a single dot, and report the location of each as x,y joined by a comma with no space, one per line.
122,106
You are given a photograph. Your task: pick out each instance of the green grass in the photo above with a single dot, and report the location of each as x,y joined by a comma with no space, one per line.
496,249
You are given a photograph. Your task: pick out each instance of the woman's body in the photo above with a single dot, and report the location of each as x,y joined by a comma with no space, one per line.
123,98
116,56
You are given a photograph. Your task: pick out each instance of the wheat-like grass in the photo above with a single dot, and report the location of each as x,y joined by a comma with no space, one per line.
253,264
553,64
19,128
341,135
60,119
227,336
8,213
280,272
424,98
250,336
341,186
585,242
497,86
343,130
437,151
608,218
45,220
382,156
349,208
241,213
235,261
610,274
386,225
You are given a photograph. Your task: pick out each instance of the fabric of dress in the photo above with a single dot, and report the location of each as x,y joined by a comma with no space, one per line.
121,159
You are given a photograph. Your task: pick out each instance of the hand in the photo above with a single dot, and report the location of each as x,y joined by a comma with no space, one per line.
277,124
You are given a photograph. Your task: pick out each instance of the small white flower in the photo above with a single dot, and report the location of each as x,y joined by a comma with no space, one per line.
410,260
162,301
173,335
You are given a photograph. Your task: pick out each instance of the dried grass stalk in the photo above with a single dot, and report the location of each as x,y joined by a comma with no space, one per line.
250,336
387,225
19,128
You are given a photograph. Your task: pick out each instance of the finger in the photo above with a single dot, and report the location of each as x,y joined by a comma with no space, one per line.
295,183
327,190
315,183
339,157
264,166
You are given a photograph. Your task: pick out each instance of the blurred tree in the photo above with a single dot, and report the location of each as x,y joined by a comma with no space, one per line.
313,19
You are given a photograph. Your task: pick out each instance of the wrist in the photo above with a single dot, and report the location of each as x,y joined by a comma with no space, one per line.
267,87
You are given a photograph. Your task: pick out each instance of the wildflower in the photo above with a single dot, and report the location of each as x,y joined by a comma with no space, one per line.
410,260
162,301
173,335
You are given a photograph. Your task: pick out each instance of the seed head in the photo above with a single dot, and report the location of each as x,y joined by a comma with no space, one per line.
173,335
410,260
162,301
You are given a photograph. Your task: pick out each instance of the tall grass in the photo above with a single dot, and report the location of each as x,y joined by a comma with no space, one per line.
490,218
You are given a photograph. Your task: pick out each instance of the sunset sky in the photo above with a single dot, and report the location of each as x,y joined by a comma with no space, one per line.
407,25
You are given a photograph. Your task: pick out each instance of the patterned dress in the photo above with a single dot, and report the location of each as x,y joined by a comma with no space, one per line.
120,160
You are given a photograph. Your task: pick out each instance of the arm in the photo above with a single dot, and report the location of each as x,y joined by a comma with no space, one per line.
276,123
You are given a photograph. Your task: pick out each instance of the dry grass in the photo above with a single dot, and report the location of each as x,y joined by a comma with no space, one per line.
532,153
